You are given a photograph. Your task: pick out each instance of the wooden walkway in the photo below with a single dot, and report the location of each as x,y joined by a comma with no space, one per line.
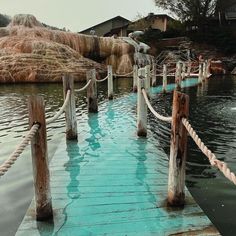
111,182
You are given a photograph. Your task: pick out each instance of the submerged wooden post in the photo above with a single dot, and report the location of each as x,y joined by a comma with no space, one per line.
200,74
178,75
135,78
110,82
178,148
141,109
154,71
70,110
92,92
164,79
39,152
147,79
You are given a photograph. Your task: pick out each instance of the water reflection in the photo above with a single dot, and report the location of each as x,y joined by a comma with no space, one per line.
72,166
95,132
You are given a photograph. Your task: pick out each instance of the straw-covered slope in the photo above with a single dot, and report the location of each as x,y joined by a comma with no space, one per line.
30,52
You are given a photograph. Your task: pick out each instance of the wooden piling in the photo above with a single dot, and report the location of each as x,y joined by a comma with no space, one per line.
154,72
147,79
135,78
110,82
189,68
39,152
70,110
183,71
141,110
178,75
164,79
92,92
178,148
200,74
204,71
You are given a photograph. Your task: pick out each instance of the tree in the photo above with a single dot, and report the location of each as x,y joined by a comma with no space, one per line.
195,11
4,20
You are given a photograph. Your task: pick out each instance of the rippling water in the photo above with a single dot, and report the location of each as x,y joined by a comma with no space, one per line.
212,113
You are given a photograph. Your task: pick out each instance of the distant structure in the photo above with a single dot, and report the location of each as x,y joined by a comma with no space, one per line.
151,21
114,26
121,27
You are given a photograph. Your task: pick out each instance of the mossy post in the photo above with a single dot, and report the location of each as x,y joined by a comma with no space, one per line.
178,150
141,106
70,110
92,92
164,79
110,82
135,78
41,174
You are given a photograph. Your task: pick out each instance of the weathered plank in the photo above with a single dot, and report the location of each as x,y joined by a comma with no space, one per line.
113,183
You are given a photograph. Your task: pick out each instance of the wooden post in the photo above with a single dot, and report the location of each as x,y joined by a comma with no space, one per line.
39,152
141,109
178,148
178,75
204,71
200,74
208,69
70,110
135,78
154,71
183,71
164,79
189,68
147,79
92,92
110,82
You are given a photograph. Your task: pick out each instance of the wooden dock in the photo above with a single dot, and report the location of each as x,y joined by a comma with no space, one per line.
111,182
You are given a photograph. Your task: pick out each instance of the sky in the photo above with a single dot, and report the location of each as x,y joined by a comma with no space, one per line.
77,15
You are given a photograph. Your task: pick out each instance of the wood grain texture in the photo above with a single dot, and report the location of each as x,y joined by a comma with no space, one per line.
40,160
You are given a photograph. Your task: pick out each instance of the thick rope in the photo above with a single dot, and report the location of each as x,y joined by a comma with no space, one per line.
83,88
101,80
18,151
158,116
222,166
52,119
131,72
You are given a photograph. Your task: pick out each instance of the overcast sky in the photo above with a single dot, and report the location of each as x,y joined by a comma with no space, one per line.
78,15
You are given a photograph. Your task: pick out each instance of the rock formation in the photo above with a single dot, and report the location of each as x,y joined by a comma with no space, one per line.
31,52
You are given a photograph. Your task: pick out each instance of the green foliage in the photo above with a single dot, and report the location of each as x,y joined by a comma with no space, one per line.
4,20
196,11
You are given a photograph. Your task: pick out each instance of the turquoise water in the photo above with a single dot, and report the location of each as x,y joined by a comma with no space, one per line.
16,186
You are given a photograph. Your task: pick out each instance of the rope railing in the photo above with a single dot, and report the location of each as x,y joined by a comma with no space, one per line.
157,115
52,119
83,88
101,80
222,166
19,149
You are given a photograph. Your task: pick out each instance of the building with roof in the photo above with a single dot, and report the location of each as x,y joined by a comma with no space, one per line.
114,26
151,21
